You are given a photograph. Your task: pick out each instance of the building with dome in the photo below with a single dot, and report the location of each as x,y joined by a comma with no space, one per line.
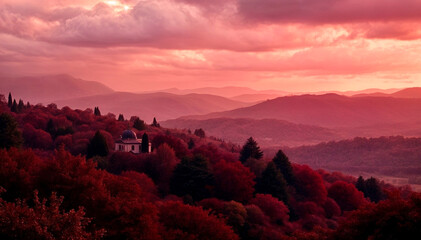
128,142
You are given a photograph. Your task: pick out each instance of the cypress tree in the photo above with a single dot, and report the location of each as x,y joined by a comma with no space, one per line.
14,107
97,112
10,136
10,100
120,117
145,143
21,105
97,146
272,182
284,165
155,123
250,150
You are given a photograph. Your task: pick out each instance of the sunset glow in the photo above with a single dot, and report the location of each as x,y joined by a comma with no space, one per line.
263,44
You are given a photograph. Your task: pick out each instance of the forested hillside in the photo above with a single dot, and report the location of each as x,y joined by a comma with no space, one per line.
61,179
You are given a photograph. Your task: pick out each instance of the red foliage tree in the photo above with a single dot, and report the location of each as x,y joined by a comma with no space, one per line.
394,218
43,221
309,184
233,181
188,222
37,138
346,195
273,208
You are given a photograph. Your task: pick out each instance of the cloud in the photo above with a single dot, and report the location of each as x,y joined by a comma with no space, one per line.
329,11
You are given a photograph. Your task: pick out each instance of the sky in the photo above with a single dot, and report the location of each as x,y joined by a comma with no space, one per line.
290,45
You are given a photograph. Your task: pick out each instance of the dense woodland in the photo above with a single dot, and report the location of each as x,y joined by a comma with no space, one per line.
61,179
395,156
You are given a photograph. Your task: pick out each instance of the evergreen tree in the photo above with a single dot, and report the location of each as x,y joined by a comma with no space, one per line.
97,146
284,165
191,143
10,100
360,184
97,112
14,107
9,133
250,150
145,143
272,182
28,105
120,117
155,123
21,106
139,124
192,177
373,190
199,132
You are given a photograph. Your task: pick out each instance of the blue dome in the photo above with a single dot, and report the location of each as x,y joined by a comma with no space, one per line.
128,134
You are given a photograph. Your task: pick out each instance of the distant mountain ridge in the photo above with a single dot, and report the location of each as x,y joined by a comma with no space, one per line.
329,110
46,89
268,132
161,105
414,92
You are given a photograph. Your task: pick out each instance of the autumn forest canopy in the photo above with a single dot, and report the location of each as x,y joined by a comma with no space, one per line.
60,178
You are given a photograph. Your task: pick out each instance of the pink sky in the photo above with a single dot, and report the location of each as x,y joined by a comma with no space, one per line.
133,45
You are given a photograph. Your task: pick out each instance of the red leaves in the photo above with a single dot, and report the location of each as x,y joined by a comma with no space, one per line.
187,222
233,181
346,195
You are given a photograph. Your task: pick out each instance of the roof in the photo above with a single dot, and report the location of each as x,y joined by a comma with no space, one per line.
128,134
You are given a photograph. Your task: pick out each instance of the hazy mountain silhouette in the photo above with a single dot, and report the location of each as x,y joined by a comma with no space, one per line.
330,110
46,89
160,105
267,132
414,92
229,91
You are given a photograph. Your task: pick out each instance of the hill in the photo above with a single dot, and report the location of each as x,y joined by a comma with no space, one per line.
46,89
229,91
330,110
394,159
414,92
268,132
160,105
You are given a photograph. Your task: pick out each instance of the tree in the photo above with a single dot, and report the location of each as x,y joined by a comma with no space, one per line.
284,165
199,132
97,112
155,123
370,188
192,177
250,150
10,101
21,105
233,181
10,136
346,195
191,143
272,182
139,124
120,117
189,222
97,146
42,220
14,107
145,143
